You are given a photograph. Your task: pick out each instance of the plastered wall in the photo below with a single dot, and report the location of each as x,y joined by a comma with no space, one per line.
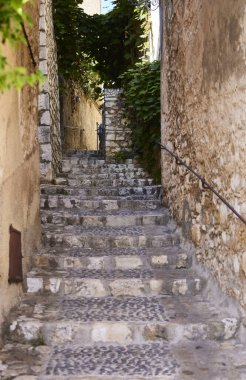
19,168
204,122
80,117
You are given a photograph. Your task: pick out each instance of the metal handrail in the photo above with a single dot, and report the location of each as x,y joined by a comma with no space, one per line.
205,184
28,45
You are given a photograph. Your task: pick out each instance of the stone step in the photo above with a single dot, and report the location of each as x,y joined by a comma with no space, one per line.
82,176
83,160
199,360
98,362
87,163
105,218
78,182
116,283
120,320
104,170
110,237
147,192
153,259
78,152
77,202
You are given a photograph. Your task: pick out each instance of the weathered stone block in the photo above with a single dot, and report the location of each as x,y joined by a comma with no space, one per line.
44,135
45,118
43,102
115,332
159,260
128,262
127,287
34,284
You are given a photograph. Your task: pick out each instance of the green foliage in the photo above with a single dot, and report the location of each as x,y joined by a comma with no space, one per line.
122,155
141,94
98,49
11,18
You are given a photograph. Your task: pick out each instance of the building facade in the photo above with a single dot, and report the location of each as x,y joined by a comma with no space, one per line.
19,174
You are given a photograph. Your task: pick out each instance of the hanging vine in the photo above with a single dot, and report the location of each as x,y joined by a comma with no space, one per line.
12,18
97,49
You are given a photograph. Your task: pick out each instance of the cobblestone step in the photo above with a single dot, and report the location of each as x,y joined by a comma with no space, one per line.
116,283
204,360
105,218
113,295
70,202
149,192
78,182
120,320
106,176
71,163
104,172
110,237
154,259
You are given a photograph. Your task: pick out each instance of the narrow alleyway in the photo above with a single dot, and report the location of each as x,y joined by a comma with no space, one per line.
112,294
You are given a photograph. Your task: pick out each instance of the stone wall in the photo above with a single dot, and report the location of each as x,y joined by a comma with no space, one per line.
117,135
80,116
204,122
49,129
19,167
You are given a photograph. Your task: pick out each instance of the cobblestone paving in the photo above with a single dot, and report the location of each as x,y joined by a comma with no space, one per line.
129,273
129,251
113,309
146,360
113,295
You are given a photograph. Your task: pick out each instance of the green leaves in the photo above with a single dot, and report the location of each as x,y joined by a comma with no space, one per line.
11,18
141,94
98,49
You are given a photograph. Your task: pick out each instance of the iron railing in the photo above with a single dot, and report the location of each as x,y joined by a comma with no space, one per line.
28,45
205,184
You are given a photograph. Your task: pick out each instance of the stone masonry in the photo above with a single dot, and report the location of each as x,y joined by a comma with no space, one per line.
204,122
49,112
117,135
113,294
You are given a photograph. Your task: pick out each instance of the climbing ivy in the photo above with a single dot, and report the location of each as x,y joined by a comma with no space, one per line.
98,49
141,94
12,16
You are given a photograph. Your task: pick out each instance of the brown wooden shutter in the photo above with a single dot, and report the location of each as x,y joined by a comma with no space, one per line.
15,256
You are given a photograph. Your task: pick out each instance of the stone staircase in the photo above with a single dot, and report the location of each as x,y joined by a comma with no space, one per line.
112,294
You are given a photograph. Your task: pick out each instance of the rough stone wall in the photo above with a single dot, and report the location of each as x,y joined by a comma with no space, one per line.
117,135
49,129
80,117
19,167
204,122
